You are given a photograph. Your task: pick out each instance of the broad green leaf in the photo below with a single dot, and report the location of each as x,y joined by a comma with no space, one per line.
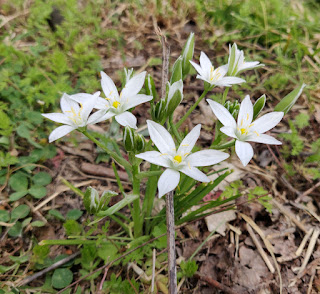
38,191
176,71
74,214
15,230
20,211
61,278
4,216
42,179
287,102
56,214
107,252
38,224
126,201
18,182
258,106
18,195
26,221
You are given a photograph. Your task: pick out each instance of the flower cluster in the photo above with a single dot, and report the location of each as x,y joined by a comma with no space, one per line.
77,113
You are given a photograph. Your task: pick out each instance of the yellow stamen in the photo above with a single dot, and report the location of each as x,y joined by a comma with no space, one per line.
164,154
256,133
241,122
243,131
177,158
116,104
185,145
189,165
247,116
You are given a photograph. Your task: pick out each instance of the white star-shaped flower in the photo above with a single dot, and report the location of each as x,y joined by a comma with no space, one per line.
236,63
215,77
73,116
244,129
117,105
181,160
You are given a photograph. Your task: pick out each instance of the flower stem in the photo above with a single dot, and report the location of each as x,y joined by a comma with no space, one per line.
114,155
136,215
174,129
179,123
225,145
148,174
224,97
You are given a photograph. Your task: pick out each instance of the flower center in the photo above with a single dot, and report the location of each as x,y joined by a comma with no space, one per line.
214,74
177,158
244,131
116,104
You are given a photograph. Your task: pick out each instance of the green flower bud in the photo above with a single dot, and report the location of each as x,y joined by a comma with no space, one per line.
128,139
176,71
93,203
158,112
140,143
233,108
175,96
187,55
150,87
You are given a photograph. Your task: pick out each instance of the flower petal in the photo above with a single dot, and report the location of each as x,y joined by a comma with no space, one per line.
197,68
60,132
80,97
245,113
58,117
229,81
67,104
88,105
99,116
136,100
127,119
262,138
155,157
267,122
134,85
108,86
222,114
161,137
102,103
190,140
177,86
229,131
249,65
194,173
168,181
205,62
206,157
244,151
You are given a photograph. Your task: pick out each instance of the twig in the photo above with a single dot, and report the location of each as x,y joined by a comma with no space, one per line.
48,269
153,268
304,242
215,284
300,197
312,243
104,277
260,249
171,244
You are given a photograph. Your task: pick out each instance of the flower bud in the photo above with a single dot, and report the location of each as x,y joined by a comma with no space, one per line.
158,111
140,143
187,55
128,73
150,87
233,108
176,71
128,139
174,97
233,60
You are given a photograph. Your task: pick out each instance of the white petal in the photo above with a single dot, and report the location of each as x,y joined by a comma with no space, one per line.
267,122
177,86
161,137
66,104
108,86
244,151
190,140
249,65
134,85
58,117
205,62
155,157
99,116
102,103
194,173
229,81
262,138
204,78
229,131
136,100
60,132
88,105
168,181
206,157
245,113
80,97
222,114
127,119
197,68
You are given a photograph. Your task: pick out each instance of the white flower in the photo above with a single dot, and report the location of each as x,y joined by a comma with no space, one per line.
180,160
73,116
128,73
236,63
117,105
213,76
244,129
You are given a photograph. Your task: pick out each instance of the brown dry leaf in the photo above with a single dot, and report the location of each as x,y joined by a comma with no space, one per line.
218,221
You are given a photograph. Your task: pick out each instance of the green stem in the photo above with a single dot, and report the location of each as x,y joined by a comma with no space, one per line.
192,108
174,129
74,242
137,219
118,178
114,155
148,174
225,93
225,145
120,223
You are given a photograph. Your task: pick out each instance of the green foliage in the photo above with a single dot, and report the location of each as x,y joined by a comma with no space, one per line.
118,286
296,143
188,268
72,228
264,201
61,278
